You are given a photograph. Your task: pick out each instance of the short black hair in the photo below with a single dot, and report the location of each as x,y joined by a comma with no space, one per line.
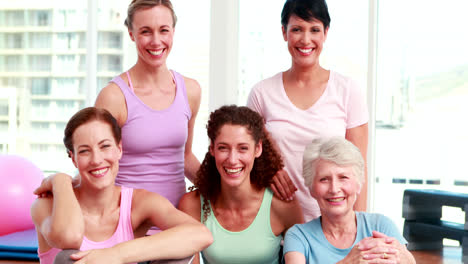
306,10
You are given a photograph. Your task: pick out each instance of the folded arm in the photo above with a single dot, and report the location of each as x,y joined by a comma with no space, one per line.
182,236
58,217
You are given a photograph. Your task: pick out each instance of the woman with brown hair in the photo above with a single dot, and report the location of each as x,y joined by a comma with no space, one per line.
232,197
100,218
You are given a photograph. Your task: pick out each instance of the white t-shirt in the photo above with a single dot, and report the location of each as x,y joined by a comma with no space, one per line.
341,106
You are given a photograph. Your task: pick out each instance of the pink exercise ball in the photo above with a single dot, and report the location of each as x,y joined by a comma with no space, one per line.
18,179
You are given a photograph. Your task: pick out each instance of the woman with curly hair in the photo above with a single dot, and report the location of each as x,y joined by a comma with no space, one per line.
232,197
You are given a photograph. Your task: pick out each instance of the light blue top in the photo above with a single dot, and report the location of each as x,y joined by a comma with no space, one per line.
309,240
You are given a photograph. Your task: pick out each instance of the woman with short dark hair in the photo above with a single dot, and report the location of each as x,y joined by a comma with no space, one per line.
307,101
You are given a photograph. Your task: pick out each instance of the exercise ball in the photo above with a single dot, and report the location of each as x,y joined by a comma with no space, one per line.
18,179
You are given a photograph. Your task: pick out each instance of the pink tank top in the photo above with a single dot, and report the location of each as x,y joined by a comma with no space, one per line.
153,143
124,231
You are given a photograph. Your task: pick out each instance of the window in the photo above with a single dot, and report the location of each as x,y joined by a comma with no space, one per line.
60,127
40,40
39,18
66,108
71,18
110,40
421,101
12,18
109,17
4,108
39,148
40,126
39,63
67,41
11,81
10,63
66,63
40,86
109,63
67,87
11,40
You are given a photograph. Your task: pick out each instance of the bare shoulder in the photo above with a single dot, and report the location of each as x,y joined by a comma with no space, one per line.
112,99
290,212
189,199
108,93
193,92
192,85
190,204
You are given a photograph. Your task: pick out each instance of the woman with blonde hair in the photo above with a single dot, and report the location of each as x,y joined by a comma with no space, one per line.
156,107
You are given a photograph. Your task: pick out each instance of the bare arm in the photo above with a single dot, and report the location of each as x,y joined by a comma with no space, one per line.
194,97
183,236
294,257
190,204
58,219
284,215
359,137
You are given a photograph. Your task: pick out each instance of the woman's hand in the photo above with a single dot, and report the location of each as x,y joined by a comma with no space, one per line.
282,186
47,184
383,249
372,256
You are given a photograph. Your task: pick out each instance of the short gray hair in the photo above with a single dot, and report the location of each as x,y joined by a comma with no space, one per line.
335,149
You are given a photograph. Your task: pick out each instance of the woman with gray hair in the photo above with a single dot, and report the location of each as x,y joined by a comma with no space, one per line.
333,170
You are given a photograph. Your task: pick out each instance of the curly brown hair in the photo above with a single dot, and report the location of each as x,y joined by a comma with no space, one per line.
208,179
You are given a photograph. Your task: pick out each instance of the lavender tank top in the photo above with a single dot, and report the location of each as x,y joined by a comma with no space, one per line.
123,232
153,143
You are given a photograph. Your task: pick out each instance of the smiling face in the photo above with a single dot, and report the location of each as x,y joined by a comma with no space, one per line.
153,33
335,188
235,151
305,40
96,154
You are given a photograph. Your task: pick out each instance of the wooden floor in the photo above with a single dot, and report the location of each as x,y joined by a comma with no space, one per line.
450,255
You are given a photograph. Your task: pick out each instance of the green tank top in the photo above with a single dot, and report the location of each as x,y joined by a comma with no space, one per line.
254,245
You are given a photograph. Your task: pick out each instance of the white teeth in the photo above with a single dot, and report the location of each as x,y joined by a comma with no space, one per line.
336,199
233,170
305,50
98,172
156,53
